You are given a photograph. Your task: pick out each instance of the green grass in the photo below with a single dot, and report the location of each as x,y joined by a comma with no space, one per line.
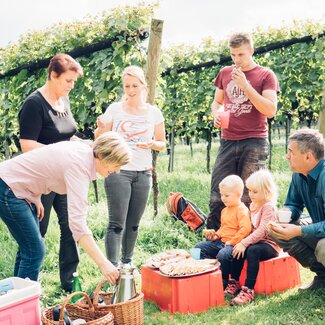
162,232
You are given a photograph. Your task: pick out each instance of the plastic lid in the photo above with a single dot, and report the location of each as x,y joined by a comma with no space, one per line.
75,274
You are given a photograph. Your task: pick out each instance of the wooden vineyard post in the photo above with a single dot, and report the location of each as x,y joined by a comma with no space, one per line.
152,72
321,119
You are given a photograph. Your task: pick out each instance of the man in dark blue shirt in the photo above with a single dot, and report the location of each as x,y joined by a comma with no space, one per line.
306,243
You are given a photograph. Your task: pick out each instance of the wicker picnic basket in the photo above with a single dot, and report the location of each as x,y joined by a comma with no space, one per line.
89,314
125,313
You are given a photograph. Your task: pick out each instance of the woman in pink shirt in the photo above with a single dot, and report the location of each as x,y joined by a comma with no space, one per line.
65,168
257,246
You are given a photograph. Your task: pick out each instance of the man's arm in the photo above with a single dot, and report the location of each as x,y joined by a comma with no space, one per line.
294,201
265,103
216,106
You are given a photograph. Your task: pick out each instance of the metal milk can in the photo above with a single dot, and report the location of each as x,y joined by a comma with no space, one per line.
125,289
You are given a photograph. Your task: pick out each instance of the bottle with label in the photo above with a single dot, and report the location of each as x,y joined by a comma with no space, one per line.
76,287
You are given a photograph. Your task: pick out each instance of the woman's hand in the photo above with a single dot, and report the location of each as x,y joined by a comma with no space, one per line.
238,251
100,123
89,245
145,145
39,210
110,272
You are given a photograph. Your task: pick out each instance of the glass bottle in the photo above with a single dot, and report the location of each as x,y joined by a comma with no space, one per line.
76,287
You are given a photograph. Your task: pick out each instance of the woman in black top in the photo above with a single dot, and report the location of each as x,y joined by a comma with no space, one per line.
46,118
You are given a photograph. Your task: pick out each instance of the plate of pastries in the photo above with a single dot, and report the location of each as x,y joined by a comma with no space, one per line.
167,257
179,263
189,267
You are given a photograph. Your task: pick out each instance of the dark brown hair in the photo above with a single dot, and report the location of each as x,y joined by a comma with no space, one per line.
61,63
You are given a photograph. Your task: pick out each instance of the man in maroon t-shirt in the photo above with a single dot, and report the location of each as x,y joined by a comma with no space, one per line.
249,92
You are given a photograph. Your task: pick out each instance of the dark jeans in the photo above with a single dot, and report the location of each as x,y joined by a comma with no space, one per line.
127,196
68,255
217,249
21,219
254,254
303,250
242,158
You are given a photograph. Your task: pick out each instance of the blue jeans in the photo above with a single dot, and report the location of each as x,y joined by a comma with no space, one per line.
21,219
235,157
127,196
217,249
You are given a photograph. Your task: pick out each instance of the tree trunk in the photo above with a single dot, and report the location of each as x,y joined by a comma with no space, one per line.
321,119
270,142
209,136
152,72
172,151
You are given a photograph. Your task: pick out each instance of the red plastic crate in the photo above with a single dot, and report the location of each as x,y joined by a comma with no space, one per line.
183,295
277,274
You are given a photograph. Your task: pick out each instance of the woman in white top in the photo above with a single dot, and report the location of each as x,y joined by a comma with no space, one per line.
142,127
65,167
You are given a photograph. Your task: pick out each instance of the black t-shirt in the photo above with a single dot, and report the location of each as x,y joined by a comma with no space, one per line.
40,122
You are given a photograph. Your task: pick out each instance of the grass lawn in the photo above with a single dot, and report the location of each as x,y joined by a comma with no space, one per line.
159,233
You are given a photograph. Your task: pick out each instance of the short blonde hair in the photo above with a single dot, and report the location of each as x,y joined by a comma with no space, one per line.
111,148
233,182
136,72
239,39
262,180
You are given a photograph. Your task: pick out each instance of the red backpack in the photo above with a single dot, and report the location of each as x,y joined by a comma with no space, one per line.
186,211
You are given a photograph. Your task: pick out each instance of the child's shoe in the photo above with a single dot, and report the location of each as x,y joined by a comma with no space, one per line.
232,288
245,295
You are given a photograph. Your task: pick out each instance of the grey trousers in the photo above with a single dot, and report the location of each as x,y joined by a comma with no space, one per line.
127,196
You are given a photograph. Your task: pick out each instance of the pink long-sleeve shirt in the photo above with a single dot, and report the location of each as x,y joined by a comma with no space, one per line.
260,232
65,167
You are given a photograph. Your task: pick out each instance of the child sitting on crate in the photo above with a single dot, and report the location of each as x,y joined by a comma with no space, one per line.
258,246
235,225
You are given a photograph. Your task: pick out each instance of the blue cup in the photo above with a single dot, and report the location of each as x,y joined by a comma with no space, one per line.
195,253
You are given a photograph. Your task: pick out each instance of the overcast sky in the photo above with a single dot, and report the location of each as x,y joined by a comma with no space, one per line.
185,21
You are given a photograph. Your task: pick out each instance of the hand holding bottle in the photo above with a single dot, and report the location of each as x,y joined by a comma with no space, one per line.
110,272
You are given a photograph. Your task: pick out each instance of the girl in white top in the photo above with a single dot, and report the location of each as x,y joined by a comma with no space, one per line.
142,127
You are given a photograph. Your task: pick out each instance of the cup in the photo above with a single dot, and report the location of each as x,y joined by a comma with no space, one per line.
195,253
224,119
284,215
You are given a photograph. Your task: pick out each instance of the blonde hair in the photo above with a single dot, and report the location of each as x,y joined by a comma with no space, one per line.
233,182
262,180
239,39
136,72
111,148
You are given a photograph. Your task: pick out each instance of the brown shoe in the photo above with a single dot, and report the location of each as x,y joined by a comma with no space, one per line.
317,283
